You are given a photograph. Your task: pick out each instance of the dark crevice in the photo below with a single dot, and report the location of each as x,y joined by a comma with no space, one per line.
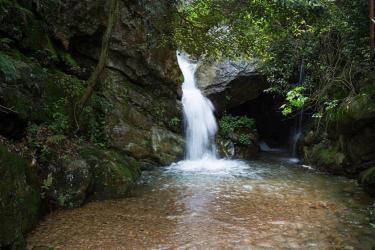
273,128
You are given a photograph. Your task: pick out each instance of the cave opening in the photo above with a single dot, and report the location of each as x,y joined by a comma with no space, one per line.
274,129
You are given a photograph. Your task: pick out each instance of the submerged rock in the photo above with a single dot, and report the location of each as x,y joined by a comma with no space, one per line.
19,200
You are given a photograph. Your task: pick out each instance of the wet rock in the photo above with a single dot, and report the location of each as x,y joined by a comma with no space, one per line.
19,200
229,84
226,148
234,149
139,123
167,146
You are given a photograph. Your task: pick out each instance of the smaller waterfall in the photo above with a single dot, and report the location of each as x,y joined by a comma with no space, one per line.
200,122
297,134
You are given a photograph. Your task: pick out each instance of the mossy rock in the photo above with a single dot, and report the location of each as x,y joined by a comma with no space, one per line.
71,183
38,94
19,201
326,156
367,180
114,174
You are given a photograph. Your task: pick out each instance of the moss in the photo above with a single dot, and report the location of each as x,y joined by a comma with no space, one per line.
114,174
19,201
354,108
35,38
326,155
367,180
67,58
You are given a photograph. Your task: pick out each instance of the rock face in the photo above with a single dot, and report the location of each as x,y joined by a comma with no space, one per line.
19,200
348,145
132,119
367,180
140,121
229,84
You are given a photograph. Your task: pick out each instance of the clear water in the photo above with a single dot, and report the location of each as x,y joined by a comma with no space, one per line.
200,121
265,204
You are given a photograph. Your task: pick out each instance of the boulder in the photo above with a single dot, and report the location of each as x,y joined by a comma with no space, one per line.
19,200
327,156
230,83
113,174
70,182
230,149
167,146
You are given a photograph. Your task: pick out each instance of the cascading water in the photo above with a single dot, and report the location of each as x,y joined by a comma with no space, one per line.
200,122
200,127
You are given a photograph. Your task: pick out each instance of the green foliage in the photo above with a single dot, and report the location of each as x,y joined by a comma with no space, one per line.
8,66
47,183
175,122
93,117
245,139
330,37
64,200
295,100
229,124
237,128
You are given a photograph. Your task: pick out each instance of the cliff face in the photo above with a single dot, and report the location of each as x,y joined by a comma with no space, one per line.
142,78
48,51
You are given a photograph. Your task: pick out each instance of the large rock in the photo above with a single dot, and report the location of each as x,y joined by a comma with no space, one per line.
92,174
135,47
230,83
348,144
139,123
19,200
167,146
70,183
113,174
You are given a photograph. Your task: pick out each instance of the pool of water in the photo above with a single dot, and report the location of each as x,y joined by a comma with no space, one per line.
264,204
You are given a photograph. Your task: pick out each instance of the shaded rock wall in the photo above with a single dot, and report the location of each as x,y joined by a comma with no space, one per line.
131,121
19,199
345,144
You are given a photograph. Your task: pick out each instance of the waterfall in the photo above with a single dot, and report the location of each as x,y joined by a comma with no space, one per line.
297,134
200,122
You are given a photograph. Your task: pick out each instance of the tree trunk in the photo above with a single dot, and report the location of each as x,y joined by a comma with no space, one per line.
94,78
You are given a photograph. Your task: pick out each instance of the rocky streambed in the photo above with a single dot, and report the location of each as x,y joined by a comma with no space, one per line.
264,204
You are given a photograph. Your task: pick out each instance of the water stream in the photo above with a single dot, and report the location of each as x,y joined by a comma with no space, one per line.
264,204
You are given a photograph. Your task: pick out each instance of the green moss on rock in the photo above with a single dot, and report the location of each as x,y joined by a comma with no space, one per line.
325,155
367,180
113,173
19,201
70,183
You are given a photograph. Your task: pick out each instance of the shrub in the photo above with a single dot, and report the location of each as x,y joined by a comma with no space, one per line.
237,128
